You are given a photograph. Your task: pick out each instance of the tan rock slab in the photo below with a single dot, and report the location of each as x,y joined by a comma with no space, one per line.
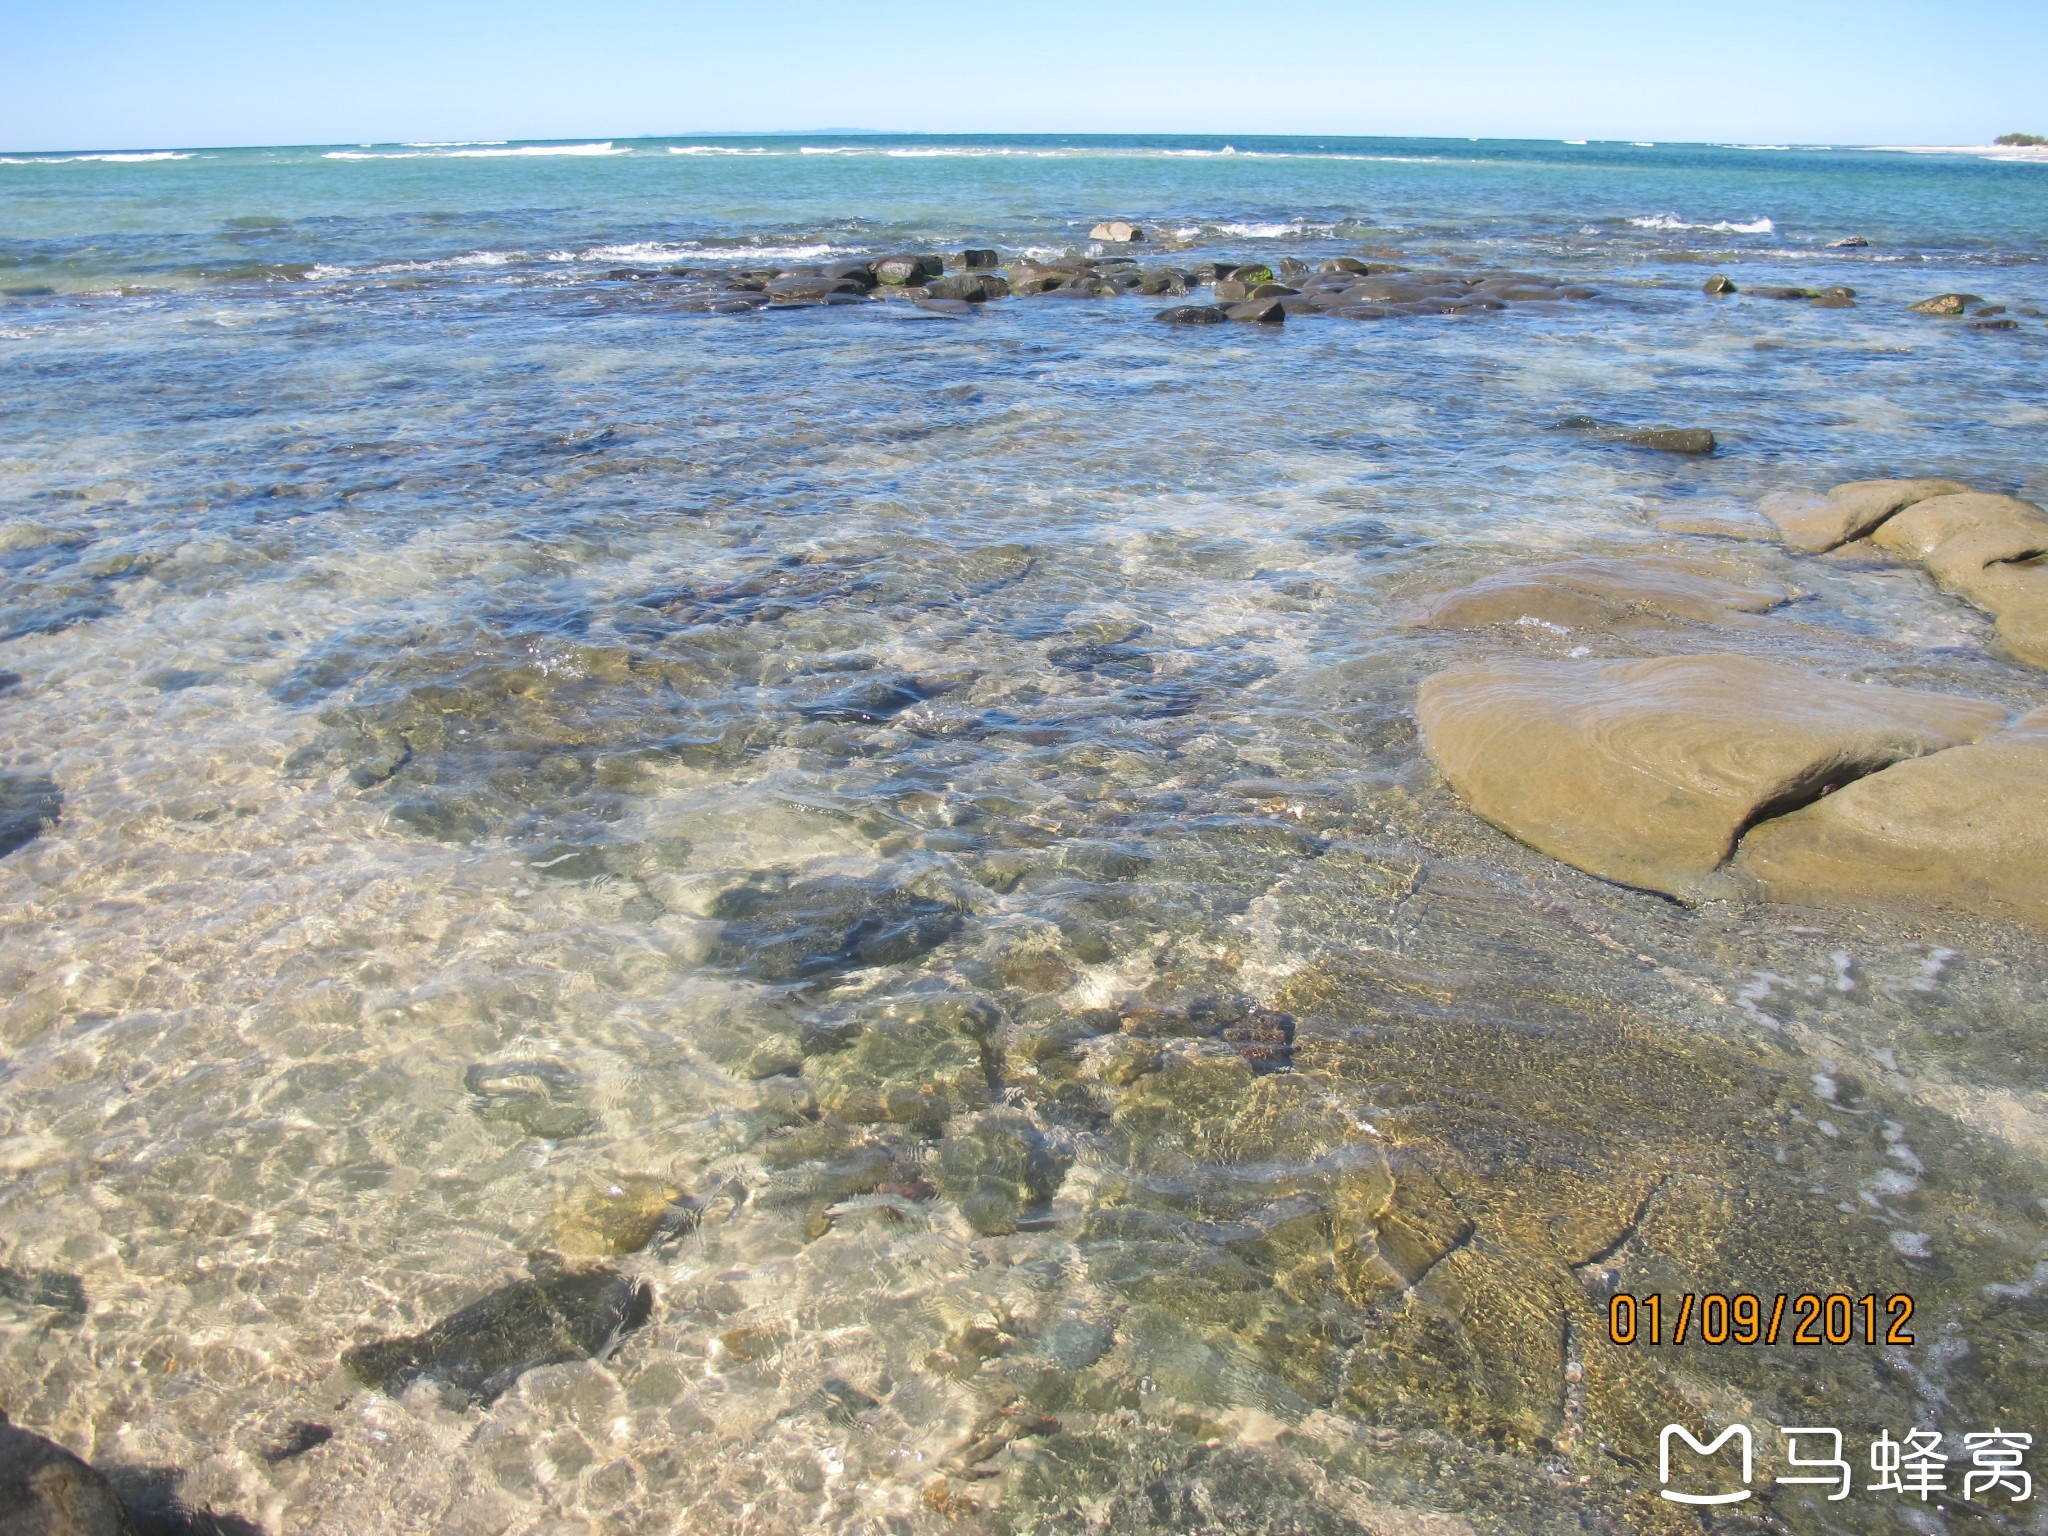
1961,828
1813,524
1607,594
1646,772
1992,550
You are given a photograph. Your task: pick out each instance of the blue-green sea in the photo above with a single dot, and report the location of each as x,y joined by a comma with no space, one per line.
894,837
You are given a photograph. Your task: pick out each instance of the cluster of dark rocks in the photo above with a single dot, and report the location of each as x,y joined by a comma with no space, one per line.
1968,307
1345,286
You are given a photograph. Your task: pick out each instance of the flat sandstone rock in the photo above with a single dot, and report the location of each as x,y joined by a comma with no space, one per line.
1992,550
1607,594
1646,772
1814,524
1961,828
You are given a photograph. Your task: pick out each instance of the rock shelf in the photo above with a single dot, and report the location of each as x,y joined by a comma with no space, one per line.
1704,774
1648,772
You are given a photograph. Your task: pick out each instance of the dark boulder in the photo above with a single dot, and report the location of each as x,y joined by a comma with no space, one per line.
807,289
945,306
901,271
1252,274
1165,280
1191,314
476,1353
1230,291
1272,291
1687,440
1718,286
1259,311
973,260
1835,296
857,272
973,287
1848,243
1344,264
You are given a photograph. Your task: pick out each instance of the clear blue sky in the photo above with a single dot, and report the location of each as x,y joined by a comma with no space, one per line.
88,74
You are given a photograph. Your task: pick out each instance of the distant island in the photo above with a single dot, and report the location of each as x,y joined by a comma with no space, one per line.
2021,140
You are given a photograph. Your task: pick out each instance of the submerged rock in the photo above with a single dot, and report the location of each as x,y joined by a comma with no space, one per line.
622,1214
778,930
51,1288
538,1097
559,1315
996,1171
29,803
1191,314
1718,285
47,1491
1960,828
1646,772
1817,523
1607,594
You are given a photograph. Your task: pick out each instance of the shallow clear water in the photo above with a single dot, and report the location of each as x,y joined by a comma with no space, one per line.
883,779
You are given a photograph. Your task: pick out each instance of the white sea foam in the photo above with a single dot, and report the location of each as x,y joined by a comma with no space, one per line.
716,149
426,153
327,273
1723,226
136,157
691,250
447,143
606,148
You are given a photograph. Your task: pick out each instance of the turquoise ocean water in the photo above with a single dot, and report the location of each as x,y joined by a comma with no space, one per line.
905,833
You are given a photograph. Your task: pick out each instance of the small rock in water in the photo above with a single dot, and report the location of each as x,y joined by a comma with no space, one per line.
1688,440
43,1288
1848,243
1835,296
975,260
996,1171
781,932
561,1314
1116,232
47,1491
28,804
1781,293
1265,1038
539,1097
300,1437
623,1214
1945,304
899,271
974,287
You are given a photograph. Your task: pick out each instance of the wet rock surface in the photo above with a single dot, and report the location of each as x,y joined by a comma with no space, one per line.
47,1491
562,1313
1685,440
1647,772
1961,828
1818,523
1608,594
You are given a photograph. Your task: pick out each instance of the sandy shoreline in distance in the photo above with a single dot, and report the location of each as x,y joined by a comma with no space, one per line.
2038,152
